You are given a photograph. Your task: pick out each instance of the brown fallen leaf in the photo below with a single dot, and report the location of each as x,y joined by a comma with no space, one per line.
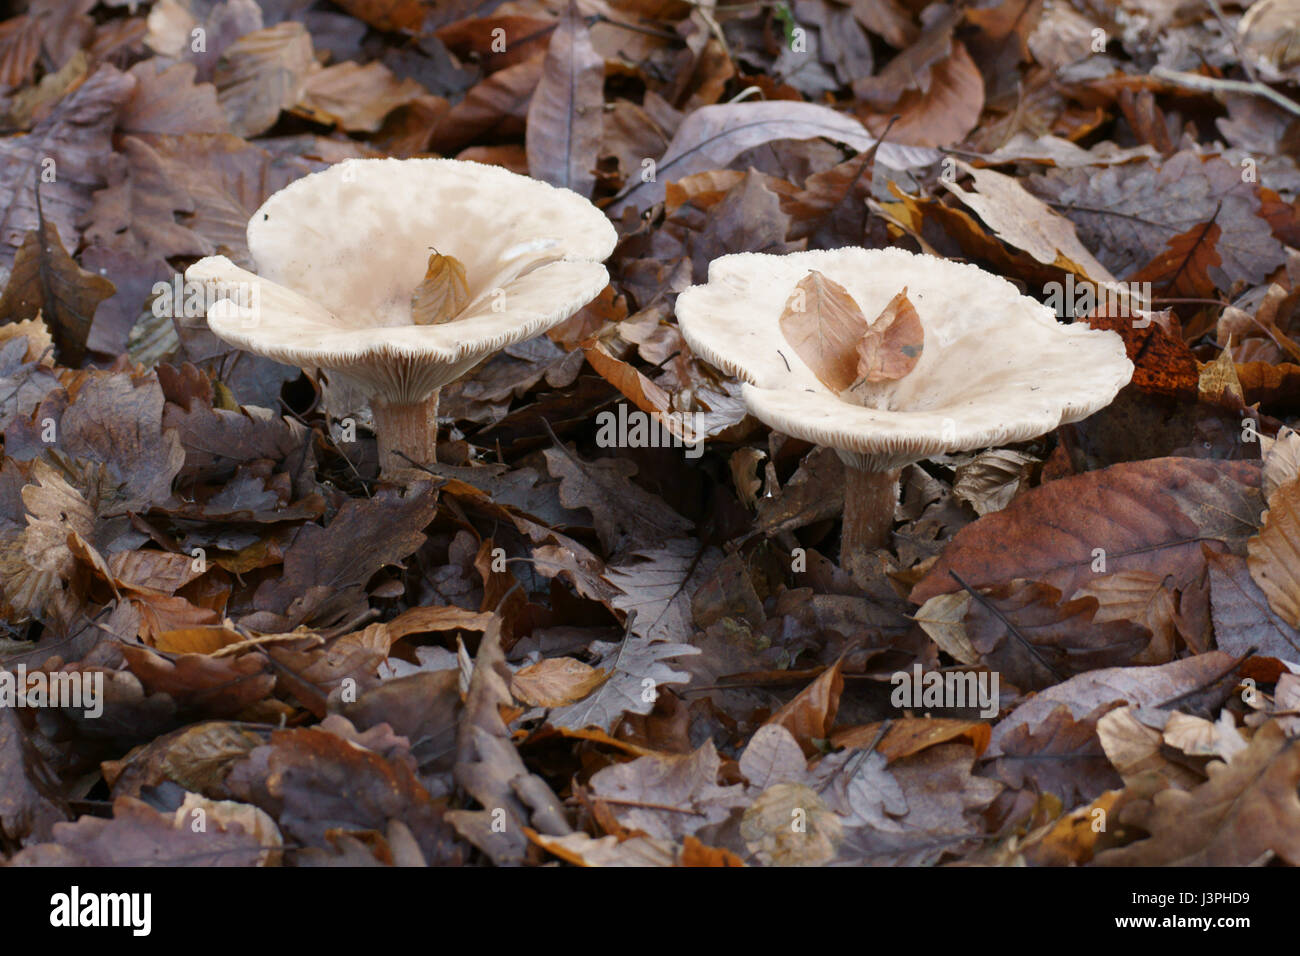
892,345
940,114
1146,599
1274,554
941,803
1247,812
355,97
824,326
810,715
555,682
442,294
774,840
909,735
262,73
1241,613
72,143
31,801
490,770
197,757
1206,679
498,103
989,481
326,568
710,137
1126,213
138,835
318,779
1076,837
1146,515
582,849
668,796
1183,267
564,117
1024,631
626,516
202,684
1281,461
1022,220
1058,755
48,284
407,16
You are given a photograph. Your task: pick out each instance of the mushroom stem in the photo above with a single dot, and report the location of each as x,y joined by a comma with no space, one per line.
409,430
869,501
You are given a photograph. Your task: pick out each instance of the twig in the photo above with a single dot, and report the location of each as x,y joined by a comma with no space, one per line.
1205,231
635,28
1194,81
1231,34
1011,628
855,762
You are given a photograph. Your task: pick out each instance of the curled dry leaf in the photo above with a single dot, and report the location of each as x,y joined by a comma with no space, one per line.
892,345
1281,460
442,294
1199,737
810,715
989,481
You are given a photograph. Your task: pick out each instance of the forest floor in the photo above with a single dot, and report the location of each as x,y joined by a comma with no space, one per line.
558,645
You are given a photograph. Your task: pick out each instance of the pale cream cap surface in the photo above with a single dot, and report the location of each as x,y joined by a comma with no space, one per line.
996,368
338,254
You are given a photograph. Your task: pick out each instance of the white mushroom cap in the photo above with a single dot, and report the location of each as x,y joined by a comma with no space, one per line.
996,367
339,253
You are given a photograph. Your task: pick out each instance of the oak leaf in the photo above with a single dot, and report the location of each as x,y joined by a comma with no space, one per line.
1247,812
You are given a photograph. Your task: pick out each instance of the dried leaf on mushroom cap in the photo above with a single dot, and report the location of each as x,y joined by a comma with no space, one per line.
824,325
340,253
997,367
442,294
893,345
848,354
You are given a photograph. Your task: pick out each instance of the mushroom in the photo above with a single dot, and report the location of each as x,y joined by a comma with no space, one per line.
399,276
995,367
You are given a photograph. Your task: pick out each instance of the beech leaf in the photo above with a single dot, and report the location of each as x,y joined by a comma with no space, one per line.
824,325
443,293
1275,554
892,345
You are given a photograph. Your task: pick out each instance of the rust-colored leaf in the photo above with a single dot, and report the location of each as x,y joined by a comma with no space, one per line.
811,714
893,344
824,325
